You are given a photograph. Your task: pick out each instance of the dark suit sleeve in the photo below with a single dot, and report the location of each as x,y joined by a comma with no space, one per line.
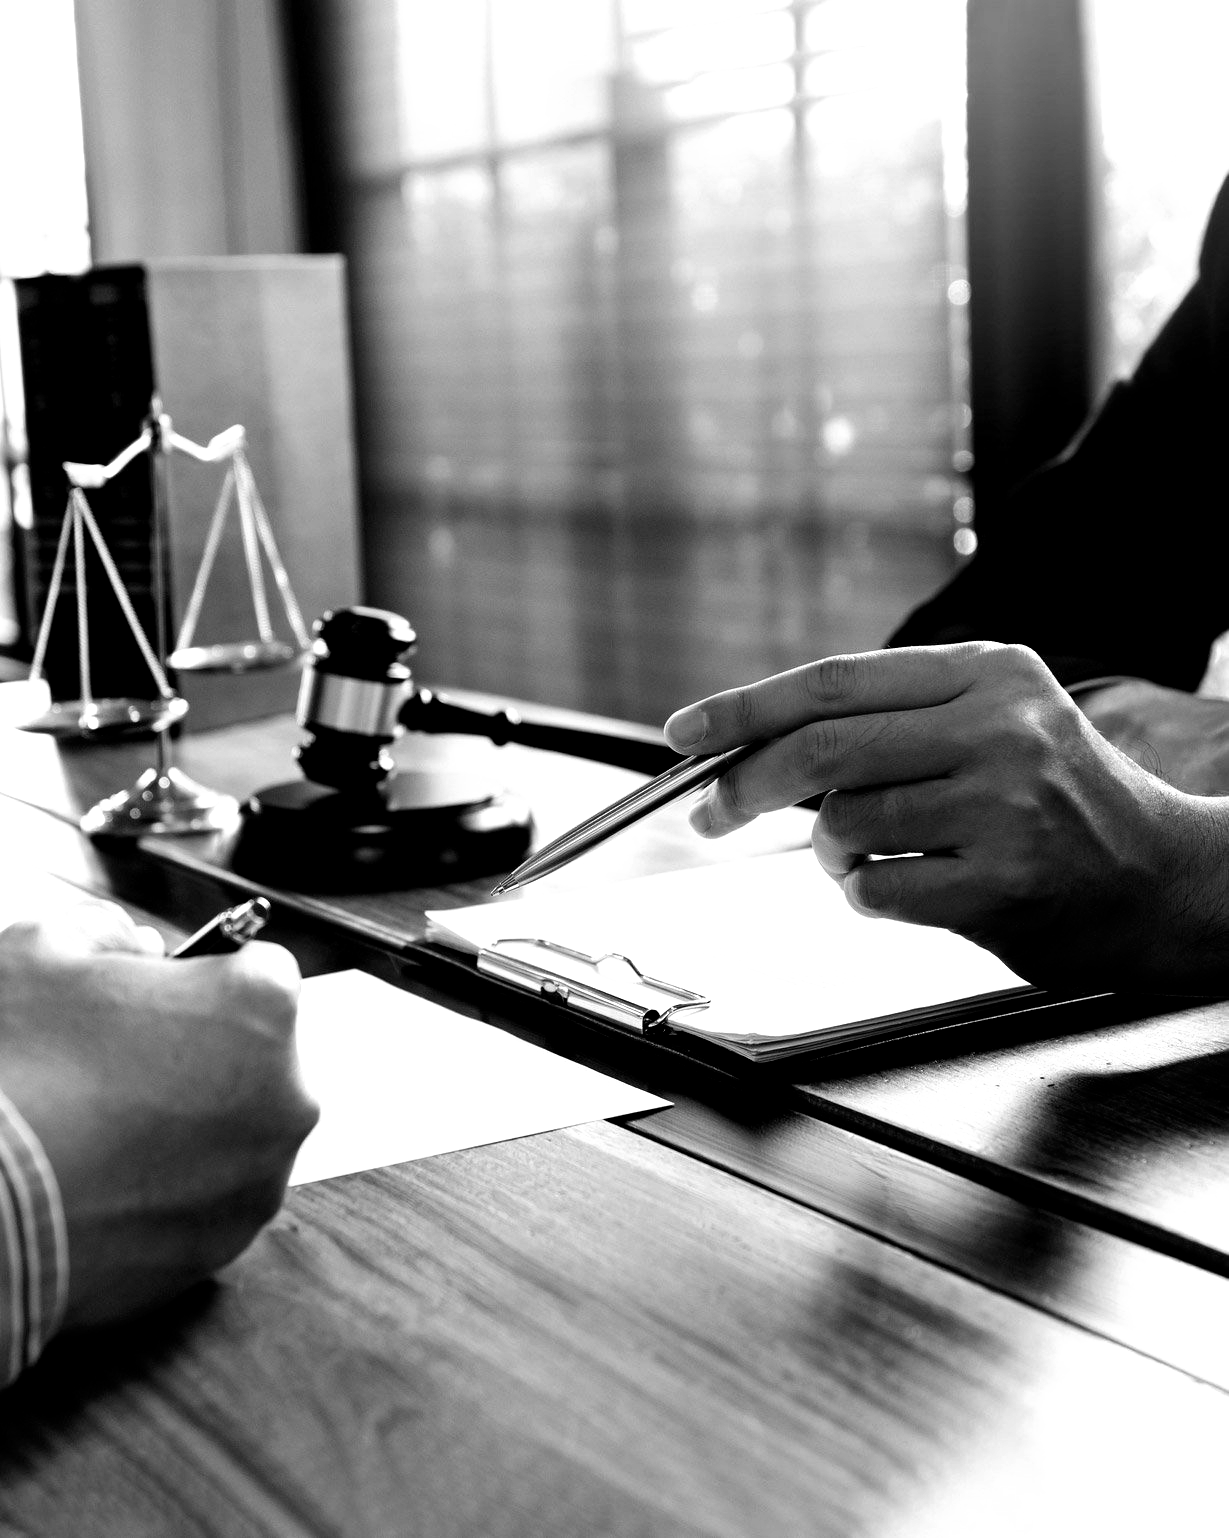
1114,559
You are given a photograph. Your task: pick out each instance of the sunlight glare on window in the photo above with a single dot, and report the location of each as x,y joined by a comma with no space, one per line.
552,63
652,15
43,221
1164,117
907,49
733,41
744,90
442,77
661,334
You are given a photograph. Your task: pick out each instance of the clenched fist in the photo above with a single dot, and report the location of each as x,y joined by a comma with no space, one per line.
166,1095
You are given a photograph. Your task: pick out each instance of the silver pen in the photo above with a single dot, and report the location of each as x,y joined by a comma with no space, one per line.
229,930
689,774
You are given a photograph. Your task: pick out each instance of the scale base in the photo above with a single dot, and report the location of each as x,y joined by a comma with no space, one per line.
161,801
421,828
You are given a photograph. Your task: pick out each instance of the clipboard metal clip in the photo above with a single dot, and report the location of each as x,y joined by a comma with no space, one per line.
609,988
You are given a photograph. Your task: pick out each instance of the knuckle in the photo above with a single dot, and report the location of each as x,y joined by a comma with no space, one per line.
1020,878
832,680
285,1111
263,982
1023,659
741,712
307,1114
833,816
1011,655
266,1201
848,817
1018,739
875,889
20,935
733,793
812,752
1012,660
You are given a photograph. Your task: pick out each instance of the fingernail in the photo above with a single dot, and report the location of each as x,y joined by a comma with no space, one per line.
687,728
700,817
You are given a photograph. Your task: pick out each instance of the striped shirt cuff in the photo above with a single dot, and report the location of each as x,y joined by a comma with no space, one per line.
33,1246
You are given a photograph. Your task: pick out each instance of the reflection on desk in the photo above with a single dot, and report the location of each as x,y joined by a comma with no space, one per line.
584,1334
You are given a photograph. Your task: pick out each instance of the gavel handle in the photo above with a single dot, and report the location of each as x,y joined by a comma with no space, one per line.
426,711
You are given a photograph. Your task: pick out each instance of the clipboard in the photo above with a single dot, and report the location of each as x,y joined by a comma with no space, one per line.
609,989
758,961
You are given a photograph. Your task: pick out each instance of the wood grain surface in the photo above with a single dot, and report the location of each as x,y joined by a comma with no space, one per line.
584,1334
1124,1289
737,1319
1127,1119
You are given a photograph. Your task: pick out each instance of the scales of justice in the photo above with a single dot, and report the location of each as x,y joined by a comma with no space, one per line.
163,799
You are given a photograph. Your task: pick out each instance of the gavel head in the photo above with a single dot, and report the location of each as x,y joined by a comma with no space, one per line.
352,692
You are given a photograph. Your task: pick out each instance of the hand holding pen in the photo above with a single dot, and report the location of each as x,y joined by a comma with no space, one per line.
167,1099
964,788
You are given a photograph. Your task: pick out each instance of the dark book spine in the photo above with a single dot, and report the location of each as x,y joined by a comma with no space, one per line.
87,369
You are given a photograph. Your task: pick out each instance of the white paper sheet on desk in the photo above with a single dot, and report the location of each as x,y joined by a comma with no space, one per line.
400,1078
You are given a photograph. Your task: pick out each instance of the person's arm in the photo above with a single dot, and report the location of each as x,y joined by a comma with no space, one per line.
993,807
33,1246
166,1097
1109,561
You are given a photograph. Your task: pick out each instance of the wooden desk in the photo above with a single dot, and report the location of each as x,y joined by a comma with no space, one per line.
1114,1112
759,1313
582,1334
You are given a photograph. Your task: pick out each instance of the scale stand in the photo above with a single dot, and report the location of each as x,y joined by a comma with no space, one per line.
163,799
267,650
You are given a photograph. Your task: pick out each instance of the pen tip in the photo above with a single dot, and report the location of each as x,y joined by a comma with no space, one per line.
500,888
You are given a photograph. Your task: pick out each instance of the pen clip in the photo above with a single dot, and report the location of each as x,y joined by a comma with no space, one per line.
576,979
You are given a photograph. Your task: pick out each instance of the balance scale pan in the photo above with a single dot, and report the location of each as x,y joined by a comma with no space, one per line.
233,657
106,718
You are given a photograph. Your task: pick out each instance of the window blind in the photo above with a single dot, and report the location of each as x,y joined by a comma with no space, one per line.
658,314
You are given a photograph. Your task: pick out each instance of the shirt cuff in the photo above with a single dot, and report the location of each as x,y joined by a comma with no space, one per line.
33,1245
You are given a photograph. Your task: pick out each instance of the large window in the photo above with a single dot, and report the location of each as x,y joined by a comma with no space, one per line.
42,212
1164,130
658,311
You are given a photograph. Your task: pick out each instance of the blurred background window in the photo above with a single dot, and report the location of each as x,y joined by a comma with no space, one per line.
42,209
1159,82
659,306
659,320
